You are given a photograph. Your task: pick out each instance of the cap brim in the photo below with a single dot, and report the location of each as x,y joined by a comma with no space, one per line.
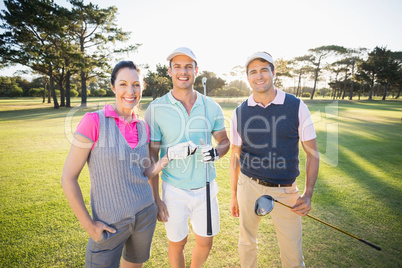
260,55
171,56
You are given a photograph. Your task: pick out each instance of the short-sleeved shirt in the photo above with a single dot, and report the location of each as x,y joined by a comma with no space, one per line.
306,127
170,124
89,126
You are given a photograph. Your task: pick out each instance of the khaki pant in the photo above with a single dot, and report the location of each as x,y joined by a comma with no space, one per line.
287,223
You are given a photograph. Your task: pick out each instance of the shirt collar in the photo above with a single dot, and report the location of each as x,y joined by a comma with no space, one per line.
198,101
110,112
279,99
171,98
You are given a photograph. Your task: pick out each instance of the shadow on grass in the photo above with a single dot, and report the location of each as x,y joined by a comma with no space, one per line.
344,105
44,113
363,187
47,113
364,206
20,109
384,138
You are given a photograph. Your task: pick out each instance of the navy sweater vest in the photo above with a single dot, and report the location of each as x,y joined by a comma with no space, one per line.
270,148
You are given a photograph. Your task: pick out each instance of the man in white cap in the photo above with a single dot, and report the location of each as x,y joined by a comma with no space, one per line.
180,115
265,133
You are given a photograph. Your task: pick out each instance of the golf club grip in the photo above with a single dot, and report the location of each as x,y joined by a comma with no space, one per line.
209,221
371,245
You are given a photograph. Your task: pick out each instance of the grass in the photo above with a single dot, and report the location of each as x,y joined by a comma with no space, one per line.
359,189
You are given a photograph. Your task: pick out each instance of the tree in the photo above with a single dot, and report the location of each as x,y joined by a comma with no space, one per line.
318,55
39,82
23,84
345,65
213,83
282,70
336,68
398,81
15,91
379,67
70,58
388,69
367,73
157,83
238,72
55,41
354,57
299,68
94,29
242,88
5,85
31,30
361,78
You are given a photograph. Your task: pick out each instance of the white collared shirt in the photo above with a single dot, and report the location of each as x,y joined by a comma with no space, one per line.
306,127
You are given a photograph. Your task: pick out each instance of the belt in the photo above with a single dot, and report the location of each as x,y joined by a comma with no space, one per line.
269,184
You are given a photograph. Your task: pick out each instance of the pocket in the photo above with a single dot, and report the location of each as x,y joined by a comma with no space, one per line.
164,185
214,188
242,179
103,237
291,190
107,235
154,211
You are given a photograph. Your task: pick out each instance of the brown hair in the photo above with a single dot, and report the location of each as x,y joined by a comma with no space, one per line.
121,65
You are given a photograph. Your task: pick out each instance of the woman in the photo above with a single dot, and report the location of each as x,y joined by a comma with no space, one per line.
114,143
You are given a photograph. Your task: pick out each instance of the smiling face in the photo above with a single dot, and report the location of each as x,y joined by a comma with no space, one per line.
128,90
260,76
183,72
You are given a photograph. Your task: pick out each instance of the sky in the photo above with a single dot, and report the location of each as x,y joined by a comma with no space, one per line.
223,33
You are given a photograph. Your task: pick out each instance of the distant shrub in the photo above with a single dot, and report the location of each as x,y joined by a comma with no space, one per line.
73,93
98,92
15,91
306,95
88,93
109,93
35,92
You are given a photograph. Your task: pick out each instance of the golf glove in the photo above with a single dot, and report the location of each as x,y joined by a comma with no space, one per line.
181,150
209,153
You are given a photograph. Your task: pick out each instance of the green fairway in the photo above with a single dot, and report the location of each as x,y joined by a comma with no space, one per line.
359,189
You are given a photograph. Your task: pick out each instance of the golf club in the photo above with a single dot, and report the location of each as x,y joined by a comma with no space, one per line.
209,220
265,204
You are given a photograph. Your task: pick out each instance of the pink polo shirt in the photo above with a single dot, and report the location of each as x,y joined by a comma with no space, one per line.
89,126
306,127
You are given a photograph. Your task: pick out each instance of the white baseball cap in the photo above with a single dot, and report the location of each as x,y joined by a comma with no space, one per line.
182,51
260,55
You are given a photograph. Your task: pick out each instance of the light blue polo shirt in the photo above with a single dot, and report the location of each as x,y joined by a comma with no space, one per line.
170,124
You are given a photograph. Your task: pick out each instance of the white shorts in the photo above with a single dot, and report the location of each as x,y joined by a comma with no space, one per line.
189,204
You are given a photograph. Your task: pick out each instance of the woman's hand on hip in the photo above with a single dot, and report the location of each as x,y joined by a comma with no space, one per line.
97,228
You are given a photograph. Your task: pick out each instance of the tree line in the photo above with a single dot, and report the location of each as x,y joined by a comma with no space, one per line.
350,71
159,83
71,50
60,43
